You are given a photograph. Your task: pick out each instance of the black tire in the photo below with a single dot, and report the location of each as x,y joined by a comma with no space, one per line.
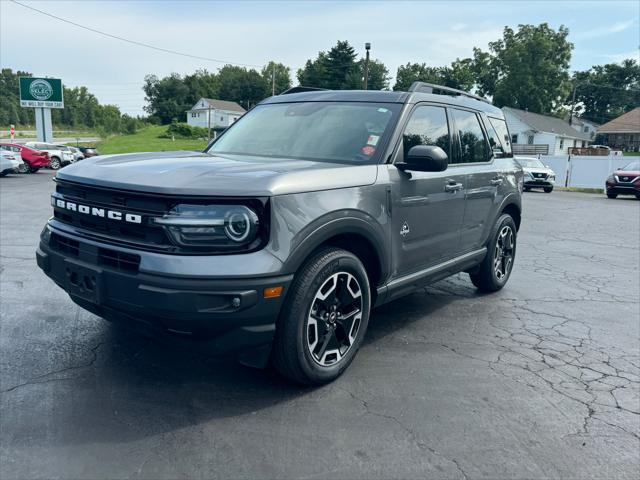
548,189
486,278
3,174
55,163
612,195
295,355
527,189
24,168
34,169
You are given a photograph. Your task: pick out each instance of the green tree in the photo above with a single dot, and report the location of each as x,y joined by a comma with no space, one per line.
10,110
201,84
458,75
244,86
607,91
526,69
340,69
168,98
278,72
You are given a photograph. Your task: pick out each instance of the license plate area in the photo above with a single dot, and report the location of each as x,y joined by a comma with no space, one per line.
83,281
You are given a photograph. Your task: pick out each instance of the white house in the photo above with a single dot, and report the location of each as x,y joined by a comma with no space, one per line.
585,126
532,133
215,114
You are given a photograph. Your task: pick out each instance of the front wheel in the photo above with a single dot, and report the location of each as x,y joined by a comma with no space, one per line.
548,189
322,325
34,169
24,168
612,195
494,271
55,163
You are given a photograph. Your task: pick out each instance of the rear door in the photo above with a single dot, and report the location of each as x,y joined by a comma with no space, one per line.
427,207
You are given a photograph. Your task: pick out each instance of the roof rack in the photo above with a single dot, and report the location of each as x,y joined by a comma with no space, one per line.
430,87
300,88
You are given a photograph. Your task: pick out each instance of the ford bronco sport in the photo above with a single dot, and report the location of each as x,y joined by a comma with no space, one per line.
277,241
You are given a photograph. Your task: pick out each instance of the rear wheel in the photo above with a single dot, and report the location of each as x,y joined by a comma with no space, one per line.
34,169
548,189
55,163
324,319
612,195
495,269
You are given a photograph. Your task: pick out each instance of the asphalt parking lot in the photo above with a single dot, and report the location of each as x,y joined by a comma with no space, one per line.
540,380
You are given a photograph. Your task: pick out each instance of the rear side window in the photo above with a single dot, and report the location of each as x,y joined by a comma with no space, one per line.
427,126
500,127
472,143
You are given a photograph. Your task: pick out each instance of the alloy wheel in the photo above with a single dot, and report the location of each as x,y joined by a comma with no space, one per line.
334,319
503,255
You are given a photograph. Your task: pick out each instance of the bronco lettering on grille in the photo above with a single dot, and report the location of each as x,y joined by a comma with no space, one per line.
95,211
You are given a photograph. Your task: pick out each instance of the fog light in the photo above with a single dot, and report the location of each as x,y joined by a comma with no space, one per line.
273,292
235,302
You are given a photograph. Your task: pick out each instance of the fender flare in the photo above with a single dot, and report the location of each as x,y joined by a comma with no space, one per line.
352,222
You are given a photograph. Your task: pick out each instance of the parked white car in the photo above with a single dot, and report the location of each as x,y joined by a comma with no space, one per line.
59,156
536,174
77,154
9,163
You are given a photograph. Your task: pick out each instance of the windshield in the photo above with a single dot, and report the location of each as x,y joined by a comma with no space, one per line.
324,131
632,167
530,163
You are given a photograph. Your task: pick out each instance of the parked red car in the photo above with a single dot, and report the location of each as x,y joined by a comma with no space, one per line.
34,159
625,181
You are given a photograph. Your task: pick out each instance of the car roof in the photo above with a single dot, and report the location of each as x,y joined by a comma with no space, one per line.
383,96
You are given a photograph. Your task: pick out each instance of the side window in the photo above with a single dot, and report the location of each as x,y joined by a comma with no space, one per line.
500,127
427,126
473,145
494,141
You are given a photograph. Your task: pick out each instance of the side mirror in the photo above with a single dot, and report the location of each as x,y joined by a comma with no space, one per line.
425,158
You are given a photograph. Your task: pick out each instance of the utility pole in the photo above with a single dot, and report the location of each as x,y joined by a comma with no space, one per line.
367,47
209,124
273,80
573,104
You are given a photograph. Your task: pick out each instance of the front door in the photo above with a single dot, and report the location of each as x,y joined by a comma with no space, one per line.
427,207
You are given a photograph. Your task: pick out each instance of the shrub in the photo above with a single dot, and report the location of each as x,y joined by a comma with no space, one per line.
182,130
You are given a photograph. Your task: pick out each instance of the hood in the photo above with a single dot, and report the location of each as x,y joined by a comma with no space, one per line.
538,170
195,173
627,173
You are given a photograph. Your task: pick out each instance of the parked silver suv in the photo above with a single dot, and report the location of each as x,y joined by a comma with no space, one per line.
277,241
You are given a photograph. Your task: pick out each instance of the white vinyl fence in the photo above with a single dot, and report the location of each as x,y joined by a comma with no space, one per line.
583,171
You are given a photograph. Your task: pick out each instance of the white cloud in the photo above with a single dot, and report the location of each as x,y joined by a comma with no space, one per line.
606,30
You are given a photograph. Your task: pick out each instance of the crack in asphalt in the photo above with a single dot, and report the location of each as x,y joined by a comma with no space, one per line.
44,378
409,431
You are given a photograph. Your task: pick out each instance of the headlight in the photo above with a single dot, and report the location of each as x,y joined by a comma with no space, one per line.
225,227
528,175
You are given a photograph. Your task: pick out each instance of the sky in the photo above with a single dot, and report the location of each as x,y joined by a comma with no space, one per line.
255,32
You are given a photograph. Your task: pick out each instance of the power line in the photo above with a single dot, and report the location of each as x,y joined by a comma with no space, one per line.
134,42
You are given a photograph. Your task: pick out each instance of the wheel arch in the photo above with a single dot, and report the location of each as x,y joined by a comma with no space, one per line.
512,206
352,233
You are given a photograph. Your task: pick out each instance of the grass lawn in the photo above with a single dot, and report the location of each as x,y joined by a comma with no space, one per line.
146,140
631,154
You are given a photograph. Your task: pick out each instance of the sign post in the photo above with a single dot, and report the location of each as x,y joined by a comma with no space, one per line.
43,94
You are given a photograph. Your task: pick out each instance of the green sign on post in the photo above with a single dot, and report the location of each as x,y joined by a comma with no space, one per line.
41,92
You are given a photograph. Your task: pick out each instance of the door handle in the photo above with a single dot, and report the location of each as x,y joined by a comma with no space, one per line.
496,181
452,186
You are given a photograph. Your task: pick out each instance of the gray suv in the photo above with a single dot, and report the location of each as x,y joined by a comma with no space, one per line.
276,242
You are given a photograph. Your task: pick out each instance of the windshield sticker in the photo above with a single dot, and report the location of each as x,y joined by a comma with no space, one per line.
368,150
373,140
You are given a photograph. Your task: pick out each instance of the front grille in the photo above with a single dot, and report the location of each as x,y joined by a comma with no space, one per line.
64,245
141,233
539,175
119,260
626,178
126,262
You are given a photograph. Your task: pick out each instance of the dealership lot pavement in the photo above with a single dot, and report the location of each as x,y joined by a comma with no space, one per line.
539,380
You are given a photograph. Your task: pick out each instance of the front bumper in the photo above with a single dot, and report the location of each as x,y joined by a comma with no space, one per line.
538,182
622,189
218,315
